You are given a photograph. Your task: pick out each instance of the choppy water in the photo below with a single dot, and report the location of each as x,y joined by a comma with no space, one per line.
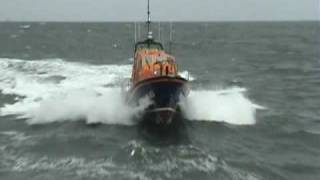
253,110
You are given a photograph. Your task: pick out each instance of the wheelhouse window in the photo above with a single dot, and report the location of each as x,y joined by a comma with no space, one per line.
150,44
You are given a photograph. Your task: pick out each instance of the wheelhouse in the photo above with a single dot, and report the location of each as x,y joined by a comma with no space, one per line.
152,61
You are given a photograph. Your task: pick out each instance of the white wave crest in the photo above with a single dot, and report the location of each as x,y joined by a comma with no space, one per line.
230,106
108,108
55,90
89,92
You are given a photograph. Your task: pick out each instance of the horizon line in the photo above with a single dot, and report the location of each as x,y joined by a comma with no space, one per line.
174,21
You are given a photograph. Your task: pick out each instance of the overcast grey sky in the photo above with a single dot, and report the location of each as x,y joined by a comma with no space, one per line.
164,10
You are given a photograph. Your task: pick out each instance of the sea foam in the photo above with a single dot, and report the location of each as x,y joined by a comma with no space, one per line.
228,105
55,90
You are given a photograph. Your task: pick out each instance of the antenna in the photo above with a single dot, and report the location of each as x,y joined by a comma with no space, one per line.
135,32
171,38
159,31
139,31
149,22
171,32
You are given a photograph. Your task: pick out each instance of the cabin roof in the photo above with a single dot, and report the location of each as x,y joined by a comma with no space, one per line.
148,43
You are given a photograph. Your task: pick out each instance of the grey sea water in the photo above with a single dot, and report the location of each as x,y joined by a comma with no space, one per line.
255,95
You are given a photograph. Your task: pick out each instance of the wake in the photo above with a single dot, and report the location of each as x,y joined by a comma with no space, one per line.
55,90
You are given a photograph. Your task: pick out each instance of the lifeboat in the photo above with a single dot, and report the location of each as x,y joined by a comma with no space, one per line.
155,76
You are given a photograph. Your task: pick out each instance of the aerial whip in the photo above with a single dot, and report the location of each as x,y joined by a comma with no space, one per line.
149,22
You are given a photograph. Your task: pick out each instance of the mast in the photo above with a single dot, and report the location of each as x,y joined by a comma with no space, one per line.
171,38
135,32
159,32
149,22
139,31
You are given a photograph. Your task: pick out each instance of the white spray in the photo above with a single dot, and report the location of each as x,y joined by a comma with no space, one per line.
228,105
56,90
